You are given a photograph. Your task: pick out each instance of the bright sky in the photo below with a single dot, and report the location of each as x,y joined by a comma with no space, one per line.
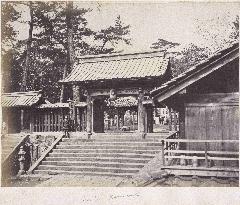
175,22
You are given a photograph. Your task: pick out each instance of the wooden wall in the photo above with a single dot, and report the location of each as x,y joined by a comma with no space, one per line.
215,119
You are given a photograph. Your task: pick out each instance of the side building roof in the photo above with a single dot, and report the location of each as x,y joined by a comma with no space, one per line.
118,66
195,73
21,99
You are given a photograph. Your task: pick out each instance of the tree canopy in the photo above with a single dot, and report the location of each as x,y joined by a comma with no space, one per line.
48,48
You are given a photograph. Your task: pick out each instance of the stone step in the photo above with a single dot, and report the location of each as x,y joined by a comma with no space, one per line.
116,155
88,169
131,134
134,151
79,141
98,159
120,138
84,173
84,146
132,143
94,164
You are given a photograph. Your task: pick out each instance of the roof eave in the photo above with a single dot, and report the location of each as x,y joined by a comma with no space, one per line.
164,93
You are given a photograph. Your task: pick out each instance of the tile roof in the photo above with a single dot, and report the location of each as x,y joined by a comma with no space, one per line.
20,99
60,105
55,105
191,71
123,102
129,101
118,66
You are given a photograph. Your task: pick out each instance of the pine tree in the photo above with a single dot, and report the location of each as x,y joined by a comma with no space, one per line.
8,39
163,45
112,35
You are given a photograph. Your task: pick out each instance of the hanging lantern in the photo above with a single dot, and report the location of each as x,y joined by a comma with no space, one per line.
113,94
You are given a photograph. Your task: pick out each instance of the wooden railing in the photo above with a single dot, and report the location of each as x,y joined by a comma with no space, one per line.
166,145
171,149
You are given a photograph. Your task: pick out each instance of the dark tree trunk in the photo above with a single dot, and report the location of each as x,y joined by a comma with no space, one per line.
70,50
29,43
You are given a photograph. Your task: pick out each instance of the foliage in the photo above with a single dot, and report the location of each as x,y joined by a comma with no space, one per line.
163,45
235,29
48,56
9,15
218,32
188,57
113,35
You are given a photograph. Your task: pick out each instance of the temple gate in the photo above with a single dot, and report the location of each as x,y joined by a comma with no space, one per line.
116,76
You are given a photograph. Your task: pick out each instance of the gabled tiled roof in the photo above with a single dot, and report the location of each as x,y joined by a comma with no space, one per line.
118,66
191,72
20,99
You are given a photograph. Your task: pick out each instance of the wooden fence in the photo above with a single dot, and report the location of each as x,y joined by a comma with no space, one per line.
174,156
51,120
47,121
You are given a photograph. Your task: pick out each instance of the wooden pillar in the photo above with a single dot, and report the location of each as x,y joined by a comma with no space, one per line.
89,115
122,116
175,120
141,114
98,116
76,93
22,120
149,121
170,119
31,122
117,120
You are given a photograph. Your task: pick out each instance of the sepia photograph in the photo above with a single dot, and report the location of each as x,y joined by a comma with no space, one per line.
119,94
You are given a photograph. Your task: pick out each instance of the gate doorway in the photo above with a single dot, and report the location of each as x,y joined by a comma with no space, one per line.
120,120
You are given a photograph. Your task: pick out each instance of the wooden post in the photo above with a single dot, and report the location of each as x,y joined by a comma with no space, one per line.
206,155
48,121
61,119
22,120
149,121
163,158
141,114
170,120
89,115
122,116
175,120
117,119
31,123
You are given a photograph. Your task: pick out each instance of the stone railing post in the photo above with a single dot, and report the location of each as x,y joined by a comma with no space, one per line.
21,159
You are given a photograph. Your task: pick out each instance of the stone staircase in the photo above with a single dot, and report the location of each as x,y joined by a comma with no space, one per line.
8,143
104,154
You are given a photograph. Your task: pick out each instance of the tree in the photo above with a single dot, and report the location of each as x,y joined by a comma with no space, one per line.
48,53
163,45
234,36
8,33
8,38
218,32
188,57
70,49
28,49
113,35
